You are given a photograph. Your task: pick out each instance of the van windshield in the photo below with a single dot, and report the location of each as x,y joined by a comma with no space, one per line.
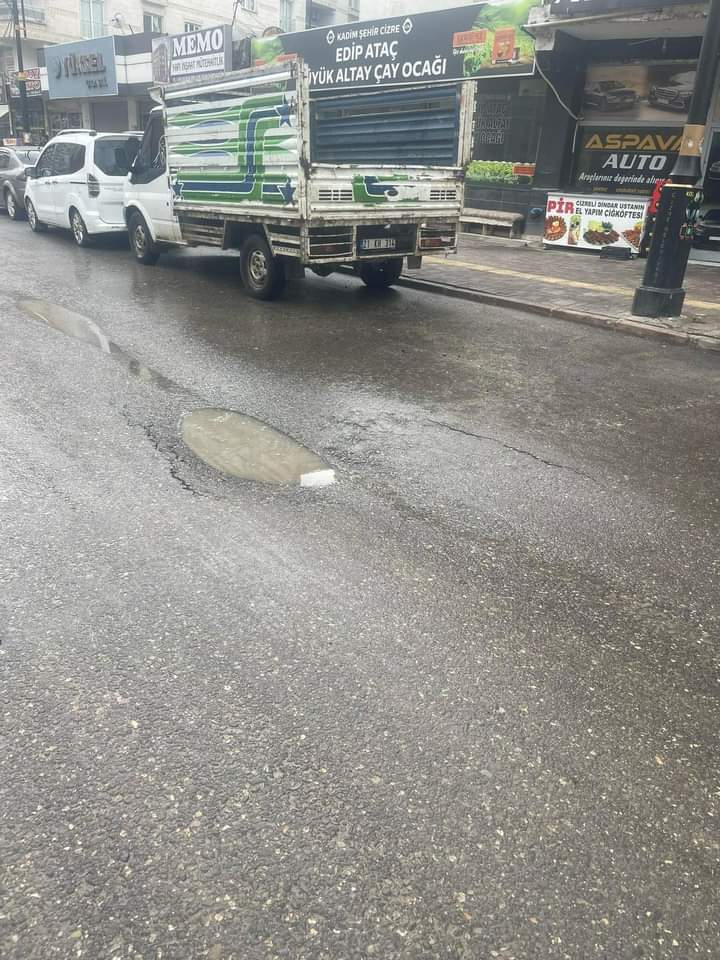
113,155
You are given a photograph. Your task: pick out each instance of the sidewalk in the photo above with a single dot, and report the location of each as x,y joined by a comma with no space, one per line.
571,285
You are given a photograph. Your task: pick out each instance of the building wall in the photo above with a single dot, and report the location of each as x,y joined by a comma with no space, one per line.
375,9
322,13
60,22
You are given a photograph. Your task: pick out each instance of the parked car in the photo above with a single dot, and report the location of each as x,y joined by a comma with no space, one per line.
13,161
77,183
707,229
609,95
675,94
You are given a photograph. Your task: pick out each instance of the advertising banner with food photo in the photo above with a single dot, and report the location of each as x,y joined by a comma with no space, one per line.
649,92
591,223
483,39
624,159
32,83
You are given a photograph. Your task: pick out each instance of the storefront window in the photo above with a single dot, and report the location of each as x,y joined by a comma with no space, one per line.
507,129
630,135
65,121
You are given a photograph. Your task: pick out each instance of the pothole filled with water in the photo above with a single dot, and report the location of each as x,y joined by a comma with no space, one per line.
245,447
235,444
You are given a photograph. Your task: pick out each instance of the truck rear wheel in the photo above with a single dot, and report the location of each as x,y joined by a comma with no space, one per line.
380,273
141,241
263,274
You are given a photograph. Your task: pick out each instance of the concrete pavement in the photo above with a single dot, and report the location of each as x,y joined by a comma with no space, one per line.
462,704
573,285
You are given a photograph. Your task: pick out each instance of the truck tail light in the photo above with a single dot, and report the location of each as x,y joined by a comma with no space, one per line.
93,186
437,235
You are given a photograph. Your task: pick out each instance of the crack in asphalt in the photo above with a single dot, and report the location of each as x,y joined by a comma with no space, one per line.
509,446
166,450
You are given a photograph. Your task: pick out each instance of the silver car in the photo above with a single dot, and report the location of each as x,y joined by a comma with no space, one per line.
13,161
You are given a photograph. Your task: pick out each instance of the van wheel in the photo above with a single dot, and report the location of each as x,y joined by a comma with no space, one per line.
37,226
141,241
263,274
380,273
79,230
11,205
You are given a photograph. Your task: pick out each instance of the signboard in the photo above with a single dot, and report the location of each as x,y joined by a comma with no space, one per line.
32,83
591,223
639,92
82,69
624,159
196,54
480,40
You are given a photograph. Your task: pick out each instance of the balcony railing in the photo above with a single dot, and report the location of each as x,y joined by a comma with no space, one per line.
32,14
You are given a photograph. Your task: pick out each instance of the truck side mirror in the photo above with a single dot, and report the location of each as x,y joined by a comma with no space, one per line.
30,173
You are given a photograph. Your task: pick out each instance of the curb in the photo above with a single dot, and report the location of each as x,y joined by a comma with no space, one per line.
629,326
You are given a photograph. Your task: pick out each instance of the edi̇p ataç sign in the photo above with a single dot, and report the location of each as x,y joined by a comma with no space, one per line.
480,40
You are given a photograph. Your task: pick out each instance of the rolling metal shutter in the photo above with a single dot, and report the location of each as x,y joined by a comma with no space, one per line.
396,127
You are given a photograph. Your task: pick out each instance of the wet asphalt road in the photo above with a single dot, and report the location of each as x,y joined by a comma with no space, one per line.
462,704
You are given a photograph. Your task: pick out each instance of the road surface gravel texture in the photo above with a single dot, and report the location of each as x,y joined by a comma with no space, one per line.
461,704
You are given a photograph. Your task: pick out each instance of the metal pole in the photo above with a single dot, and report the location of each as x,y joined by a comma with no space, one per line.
21,68
661,293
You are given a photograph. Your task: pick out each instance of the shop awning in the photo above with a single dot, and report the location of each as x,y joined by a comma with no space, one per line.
615,26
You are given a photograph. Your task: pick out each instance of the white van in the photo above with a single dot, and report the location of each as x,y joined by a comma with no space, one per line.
77,183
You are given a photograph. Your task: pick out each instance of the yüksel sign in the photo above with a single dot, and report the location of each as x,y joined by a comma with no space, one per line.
196,54
591,223
479,40
624,159
82,69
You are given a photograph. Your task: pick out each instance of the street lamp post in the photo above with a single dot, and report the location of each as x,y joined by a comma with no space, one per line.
21,67
661,293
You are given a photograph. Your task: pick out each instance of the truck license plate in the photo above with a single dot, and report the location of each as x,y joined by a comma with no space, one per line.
378,243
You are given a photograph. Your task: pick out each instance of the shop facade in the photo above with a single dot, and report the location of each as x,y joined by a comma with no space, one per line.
613,90
100,84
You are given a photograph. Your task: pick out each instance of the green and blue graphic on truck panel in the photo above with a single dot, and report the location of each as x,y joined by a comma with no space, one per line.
246,151
385,189
234,153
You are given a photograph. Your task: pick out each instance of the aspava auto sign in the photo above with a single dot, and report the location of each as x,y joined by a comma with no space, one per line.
188,55
617,160
83,69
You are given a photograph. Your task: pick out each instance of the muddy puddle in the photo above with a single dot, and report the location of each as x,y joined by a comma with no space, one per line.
242,446
230,442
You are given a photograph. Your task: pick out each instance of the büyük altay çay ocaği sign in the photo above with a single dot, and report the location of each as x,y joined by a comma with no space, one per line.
479,40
